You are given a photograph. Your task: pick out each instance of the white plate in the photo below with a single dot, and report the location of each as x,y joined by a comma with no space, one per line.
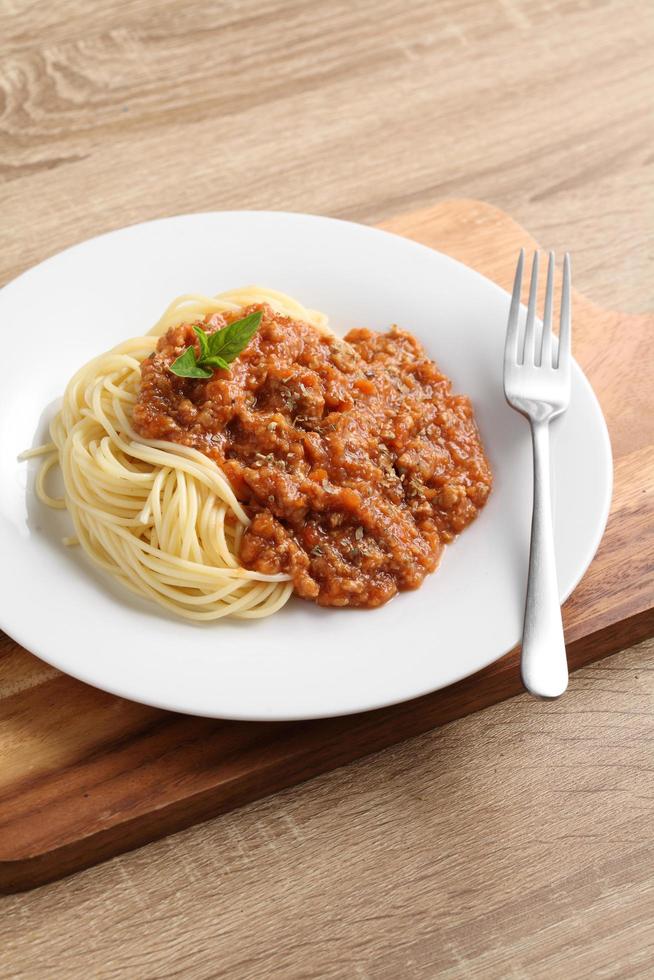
305,661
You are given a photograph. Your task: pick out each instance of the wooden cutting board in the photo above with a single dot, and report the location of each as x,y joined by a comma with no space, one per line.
85,775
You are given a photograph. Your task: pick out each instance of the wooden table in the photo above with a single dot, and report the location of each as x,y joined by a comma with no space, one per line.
516,842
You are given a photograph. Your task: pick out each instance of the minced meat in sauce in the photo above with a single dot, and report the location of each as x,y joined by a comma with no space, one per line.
353,458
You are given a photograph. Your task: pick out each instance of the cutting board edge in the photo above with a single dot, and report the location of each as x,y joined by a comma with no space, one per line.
493,212
24,872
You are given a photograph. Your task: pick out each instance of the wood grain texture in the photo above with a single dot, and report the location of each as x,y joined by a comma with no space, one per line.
114,113
513,843
516,842
87,775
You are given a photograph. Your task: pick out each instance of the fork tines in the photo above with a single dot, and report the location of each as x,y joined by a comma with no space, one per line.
523,346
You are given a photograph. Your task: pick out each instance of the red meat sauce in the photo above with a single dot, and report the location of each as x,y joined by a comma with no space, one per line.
353,459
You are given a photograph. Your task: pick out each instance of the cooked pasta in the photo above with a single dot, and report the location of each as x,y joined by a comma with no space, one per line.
159,516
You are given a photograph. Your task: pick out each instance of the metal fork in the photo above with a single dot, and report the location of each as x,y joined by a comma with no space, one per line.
537,384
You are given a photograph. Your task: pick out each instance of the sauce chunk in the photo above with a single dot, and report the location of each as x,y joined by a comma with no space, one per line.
353,458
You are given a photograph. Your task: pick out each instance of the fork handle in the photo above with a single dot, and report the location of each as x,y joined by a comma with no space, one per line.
543,665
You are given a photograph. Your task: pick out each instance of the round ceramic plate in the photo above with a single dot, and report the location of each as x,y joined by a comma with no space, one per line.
305,661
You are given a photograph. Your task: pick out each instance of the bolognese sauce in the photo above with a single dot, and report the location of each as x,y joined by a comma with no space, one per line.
353,458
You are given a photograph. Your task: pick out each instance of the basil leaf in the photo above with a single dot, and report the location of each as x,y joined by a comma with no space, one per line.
216,349
204,342
186,366
215,362
231,340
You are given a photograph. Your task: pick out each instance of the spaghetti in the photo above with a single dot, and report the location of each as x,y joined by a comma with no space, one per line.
160,517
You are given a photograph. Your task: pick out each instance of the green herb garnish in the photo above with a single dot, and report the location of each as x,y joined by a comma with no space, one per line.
218,349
